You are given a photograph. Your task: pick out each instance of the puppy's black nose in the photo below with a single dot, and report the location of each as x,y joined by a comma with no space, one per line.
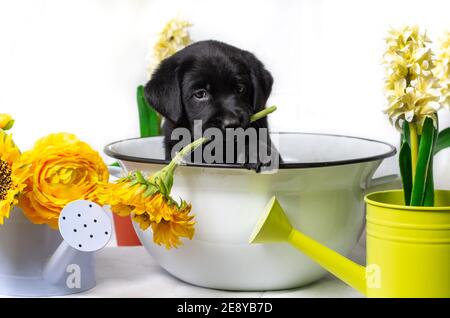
230,122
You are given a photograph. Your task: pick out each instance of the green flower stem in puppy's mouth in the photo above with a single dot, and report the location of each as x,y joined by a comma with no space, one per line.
192,146
262,113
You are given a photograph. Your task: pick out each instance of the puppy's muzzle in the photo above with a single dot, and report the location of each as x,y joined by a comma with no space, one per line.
230,122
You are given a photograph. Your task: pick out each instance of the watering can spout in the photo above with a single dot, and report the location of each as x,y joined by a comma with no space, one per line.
274,226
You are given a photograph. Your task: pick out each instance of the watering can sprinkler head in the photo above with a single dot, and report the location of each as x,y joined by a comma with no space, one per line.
85,228
274,226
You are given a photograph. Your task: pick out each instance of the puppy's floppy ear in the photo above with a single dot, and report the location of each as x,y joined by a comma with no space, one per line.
163,91
262,82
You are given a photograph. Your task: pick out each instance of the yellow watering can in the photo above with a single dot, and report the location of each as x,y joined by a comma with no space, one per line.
408,248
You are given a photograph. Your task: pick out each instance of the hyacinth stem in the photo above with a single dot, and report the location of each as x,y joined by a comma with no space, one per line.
262,113
414,139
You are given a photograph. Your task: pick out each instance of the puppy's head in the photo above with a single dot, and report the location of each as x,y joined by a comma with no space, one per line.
209,81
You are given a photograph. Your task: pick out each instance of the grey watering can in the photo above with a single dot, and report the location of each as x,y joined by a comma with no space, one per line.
38,261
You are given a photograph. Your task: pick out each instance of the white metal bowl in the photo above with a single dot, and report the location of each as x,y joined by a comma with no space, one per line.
320,184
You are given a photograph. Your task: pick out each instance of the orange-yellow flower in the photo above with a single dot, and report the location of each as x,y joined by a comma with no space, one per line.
168,220
63,169
12,175
149,203
168,232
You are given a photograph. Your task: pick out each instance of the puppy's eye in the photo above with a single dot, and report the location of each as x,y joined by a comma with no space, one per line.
201,94
241,89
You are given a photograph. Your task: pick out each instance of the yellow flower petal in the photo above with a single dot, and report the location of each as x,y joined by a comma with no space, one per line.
169,221
70,170
12,175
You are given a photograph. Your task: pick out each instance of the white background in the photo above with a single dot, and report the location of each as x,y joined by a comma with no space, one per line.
74,65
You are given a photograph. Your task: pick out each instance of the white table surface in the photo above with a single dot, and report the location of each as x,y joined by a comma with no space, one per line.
131,272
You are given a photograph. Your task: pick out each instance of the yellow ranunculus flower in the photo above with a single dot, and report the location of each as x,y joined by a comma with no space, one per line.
63,169
411,87
12,175
6,121
172,38
443,70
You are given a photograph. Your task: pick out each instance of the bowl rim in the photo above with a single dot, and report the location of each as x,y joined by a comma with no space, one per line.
282,165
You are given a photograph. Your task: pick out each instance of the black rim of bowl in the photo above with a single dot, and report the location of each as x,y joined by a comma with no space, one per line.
283,165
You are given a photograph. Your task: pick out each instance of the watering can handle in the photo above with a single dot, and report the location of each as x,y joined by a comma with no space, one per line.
388,182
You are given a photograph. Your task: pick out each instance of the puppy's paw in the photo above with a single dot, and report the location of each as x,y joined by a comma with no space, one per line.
255,166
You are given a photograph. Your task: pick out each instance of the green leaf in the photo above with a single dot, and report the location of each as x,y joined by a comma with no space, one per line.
162,187
168,182
148,118
139,177
424,164
429,192
429,188
406,134
115,164
443,140
406,170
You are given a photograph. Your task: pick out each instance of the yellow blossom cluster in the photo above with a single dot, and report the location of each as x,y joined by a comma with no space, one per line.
412,88
442,70
174,37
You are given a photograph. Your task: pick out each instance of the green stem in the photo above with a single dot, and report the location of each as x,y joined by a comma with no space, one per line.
192,146
414,139
164,177
185,151
262,113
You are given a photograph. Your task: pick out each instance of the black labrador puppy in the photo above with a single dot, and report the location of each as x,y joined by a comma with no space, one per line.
210,81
